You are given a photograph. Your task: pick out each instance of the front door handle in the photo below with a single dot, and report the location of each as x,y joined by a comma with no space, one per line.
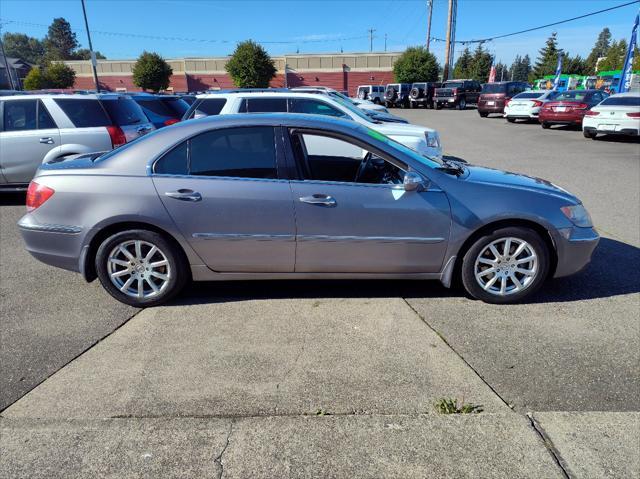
47,140
184,195
317,199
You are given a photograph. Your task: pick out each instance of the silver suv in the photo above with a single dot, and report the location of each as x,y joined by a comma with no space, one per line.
373,93
44,127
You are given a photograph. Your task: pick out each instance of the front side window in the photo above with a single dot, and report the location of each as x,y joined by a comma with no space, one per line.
20,115
44,119
313,107
84,113
248,152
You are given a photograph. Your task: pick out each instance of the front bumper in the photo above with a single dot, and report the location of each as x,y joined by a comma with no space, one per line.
446,100
574,247
55,245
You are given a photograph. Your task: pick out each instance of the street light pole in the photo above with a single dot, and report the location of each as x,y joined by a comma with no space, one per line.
93,55
371,30
430,6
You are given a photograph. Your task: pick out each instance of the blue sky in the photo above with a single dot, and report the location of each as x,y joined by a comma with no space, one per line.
211,28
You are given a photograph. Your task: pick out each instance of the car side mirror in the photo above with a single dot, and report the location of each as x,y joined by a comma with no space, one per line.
413,182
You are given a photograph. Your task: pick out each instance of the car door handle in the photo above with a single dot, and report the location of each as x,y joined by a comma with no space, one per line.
47,140
184,195
322,200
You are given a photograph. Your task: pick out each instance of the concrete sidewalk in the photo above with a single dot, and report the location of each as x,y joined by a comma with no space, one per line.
291,388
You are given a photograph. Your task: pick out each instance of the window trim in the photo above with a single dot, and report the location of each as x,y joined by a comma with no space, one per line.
279,157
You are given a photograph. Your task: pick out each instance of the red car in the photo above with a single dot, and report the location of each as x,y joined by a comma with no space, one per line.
569,107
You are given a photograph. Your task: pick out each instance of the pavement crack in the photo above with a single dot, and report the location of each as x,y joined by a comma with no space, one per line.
551,448
218,459
295,363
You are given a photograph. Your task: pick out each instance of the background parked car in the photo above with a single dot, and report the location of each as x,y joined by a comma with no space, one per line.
494,96
457,93
526,105
617,115
569,107
422,94
374,93
162,110
397,95
37,128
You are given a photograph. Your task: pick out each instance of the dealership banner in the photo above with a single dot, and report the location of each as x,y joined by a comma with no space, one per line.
627,70
556,80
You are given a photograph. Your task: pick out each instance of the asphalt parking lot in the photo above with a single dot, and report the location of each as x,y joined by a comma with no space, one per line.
362,350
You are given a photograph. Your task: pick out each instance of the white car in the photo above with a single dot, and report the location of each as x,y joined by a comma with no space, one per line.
425,141
373,93
359,102
527,105
617,115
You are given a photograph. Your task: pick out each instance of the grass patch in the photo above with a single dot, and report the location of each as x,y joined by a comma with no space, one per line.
451,406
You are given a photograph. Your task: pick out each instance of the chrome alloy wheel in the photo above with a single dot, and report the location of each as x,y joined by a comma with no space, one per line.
139,269
506,266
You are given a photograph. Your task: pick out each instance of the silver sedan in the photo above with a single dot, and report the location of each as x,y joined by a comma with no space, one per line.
260,197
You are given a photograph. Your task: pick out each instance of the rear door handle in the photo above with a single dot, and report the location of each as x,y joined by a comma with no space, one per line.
47,140
184,195
317,199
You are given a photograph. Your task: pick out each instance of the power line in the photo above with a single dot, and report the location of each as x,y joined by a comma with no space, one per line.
488,39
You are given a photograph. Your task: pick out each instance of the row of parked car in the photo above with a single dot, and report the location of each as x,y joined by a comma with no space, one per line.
44,127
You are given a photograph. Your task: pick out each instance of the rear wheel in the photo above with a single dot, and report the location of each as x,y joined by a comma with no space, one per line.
506,265
589,134
140,268
483,114
511,120
545,125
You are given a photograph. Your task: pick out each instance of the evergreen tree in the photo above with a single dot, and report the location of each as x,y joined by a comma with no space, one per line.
600,49
547,58
502,72
481,64
614,59
520,68
60,42
462,66
85,54
575,65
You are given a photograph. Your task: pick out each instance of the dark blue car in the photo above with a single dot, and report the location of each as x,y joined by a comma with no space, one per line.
162,110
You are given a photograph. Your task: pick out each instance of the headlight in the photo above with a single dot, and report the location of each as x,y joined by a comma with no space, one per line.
433,140
578,215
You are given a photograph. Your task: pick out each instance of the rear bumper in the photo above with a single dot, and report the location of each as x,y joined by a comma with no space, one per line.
55,245
561,118
575,247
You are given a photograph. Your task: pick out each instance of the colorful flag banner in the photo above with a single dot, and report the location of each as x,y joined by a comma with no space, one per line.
627,70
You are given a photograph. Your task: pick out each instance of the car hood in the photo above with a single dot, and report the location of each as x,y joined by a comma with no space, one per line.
401,129
506,179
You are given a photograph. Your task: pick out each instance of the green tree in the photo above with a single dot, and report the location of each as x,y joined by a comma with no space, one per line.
250,66
614,60
416,64
520,68
34,80
600,49
547,58
85,54
502,72
481,64
575,65
23,46
462,66
59,75
60,41
151,72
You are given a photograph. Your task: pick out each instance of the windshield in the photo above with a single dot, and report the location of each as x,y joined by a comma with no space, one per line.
348,104
528,95
425,160
622,101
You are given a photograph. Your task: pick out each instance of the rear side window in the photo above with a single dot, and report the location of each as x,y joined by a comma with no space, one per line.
313,107
174,162
124,111
44,119
622,101
84,113
239,152
210,106
263,105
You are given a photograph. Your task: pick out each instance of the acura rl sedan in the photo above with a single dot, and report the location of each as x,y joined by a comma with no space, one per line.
254,197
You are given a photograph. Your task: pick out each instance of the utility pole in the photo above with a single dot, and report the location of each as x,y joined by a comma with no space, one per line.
430,7
371,30
450,40
93,55
385,42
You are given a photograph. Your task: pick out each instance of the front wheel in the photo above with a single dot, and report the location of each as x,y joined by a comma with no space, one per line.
140,268
506,265
438,106
545,125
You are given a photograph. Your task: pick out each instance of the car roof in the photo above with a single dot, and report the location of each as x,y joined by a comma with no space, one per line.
69,96
263,94
627,93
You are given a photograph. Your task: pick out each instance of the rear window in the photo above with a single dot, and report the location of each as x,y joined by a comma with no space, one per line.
212,106
494,88
622,101
571,95
524,96
85,113
124,111
172,107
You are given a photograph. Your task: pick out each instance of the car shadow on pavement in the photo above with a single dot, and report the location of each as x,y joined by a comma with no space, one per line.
601,279
618,139
13,199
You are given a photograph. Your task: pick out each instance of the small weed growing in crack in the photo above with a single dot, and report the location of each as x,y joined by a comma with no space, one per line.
322,412
451,406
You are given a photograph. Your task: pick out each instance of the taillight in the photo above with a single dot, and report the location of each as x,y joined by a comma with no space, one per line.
580,106
454,91
591,113
507,101
634,114
37,194
537,103
171,121
117,136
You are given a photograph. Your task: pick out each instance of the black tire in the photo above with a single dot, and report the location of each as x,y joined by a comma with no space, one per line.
483,114
511,120
177,264
387,104
430,105
545,125
376,100
462,104
468,264
589,134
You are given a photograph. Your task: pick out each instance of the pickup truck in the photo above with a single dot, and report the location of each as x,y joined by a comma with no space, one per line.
457,93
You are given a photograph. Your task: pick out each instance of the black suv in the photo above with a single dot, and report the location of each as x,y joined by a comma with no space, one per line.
422,94
457,93
397,94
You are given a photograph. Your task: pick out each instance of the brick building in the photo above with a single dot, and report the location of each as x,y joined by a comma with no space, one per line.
344,71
